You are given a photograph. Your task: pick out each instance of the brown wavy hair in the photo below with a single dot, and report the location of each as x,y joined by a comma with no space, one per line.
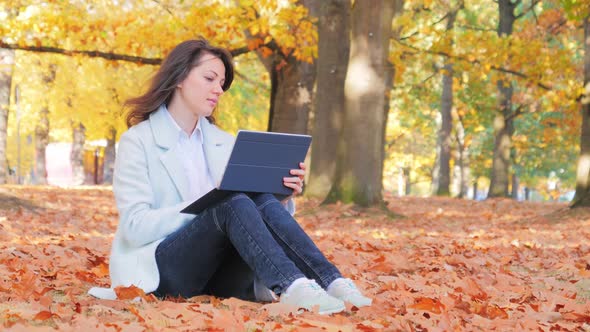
173,70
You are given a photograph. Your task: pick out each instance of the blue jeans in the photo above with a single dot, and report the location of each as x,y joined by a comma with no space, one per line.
225,247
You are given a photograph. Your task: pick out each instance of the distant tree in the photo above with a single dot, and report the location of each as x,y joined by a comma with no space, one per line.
582,197
42,129
77,152
442,176
109,156
6,65
504,120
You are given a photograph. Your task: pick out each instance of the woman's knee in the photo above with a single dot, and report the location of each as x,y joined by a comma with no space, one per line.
241,203
236,209
263,199
240,198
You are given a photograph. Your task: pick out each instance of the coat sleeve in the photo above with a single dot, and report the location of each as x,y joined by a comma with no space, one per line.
140,223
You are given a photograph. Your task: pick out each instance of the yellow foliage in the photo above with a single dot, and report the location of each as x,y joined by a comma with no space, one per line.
542,51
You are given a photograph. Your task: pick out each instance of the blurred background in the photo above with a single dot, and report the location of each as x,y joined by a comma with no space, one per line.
472,99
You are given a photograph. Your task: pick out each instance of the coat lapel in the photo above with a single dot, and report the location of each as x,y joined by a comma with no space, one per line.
176,172
217,149
166,137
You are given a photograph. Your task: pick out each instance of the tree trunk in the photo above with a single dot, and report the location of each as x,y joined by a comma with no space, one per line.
333,52
443,146
408,180
515,187
582,197
291,91
462,160
109,156
77,154
502,144
400,182
42,132
41,141
6,65
442,180
290,95
359,168
503,122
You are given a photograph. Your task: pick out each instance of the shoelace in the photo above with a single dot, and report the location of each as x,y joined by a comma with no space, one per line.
349,288
314,287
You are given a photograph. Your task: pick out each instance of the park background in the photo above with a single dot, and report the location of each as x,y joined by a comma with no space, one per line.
408,102
437,97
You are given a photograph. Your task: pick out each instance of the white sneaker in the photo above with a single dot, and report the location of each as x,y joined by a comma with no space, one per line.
306,293
345,290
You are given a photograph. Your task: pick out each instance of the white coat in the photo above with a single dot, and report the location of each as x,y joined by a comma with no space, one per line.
150,190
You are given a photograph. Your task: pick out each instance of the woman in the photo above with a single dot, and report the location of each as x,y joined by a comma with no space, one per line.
247,246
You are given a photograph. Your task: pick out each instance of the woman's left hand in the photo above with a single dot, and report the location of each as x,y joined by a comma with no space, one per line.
296,182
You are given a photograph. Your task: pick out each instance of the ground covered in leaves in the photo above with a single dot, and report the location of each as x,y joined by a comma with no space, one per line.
447,264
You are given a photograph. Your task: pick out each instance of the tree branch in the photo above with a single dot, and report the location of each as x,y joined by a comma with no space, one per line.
412,86
441,19
554,28
432,24
249,81
478,62
100,54
392,142
475,28
518,74
532,7
91,54
410,35
518,111
167,9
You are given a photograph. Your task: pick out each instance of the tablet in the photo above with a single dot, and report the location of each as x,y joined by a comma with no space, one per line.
257,164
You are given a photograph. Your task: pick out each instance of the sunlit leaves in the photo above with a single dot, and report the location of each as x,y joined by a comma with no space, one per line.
151,28
542,59
245,105
577,9
91,91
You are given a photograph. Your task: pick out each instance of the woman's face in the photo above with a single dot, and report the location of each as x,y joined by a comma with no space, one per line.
201,89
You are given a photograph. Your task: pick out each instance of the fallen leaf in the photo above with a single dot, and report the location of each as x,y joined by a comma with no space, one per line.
428,304
128,293
43,315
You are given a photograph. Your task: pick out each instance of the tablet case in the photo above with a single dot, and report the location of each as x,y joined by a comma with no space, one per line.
257,164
